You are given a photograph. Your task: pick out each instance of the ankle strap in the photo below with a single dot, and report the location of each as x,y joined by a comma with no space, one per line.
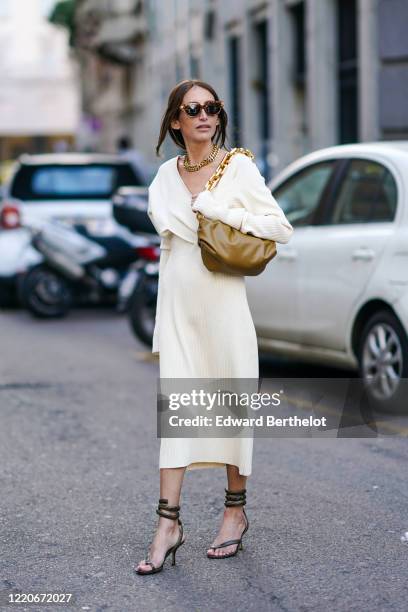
164,505
235,498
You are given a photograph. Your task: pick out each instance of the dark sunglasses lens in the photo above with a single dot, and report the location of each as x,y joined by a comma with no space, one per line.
192,110
213,108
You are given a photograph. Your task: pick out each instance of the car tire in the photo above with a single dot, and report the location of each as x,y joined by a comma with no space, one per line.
383,363
142,309
44,293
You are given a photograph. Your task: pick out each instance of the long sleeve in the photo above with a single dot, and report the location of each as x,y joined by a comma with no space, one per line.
252,209
273,226
164,255
261,214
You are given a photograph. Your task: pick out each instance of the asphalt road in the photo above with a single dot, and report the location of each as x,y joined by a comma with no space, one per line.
79,487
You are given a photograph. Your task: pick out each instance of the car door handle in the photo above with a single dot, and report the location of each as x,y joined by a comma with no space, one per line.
363,254
288,255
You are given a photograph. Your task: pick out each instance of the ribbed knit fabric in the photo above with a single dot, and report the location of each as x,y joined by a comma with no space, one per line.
204,327
205,332
164,255
273,225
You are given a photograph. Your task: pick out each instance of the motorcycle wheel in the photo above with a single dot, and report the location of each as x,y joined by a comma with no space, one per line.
142,309
44,293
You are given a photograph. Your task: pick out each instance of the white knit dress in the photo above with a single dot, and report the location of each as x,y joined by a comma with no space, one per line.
204,327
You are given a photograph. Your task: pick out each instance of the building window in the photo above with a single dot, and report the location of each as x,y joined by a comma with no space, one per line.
347,71
299,52
261,86
179,69
194,67
234,52
209,25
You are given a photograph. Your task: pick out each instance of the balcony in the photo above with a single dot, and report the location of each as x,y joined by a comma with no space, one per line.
113,28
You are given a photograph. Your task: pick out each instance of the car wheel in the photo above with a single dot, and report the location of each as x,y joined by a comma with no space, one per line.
45,293
142,309
383,362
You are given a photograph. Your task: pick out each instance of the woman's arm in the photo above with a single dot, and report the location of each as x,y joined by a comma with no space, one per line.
258,212
164,255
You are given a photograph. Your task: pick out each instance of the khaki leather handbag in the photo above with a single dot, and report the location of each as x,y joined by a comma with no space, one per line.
226,249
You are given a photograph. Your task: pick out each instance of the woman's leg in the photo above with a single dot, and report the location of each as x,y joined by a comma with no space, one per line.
168,530
233,521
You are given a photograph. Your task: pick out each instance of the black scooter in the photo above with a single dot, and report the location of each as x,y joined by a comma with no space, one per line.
138,293
74,268
143,301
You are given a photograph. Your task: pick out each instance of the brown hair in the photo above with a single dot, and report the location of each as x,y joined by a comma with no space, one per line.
172,112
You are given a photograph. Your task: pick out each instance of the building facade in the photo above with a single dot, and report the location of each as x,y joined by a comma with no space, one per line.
39,97
296,75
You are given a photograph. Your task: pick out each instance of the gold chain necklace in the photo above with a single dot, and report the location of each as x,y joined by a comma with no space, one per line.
194,167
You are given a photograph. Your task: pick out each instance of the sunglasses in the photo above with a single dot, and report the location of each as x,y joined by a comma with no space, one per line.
193,109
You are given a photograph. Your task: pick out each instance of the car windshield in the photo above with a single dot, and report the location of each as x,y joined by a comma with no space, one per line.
59,182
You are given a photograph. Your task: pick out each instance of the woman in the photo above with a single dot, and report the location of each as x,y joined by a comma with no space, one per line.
203,325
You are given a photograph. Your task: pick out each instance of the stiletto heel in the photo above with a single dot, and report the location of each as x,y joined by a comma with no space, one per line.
233,498
171,512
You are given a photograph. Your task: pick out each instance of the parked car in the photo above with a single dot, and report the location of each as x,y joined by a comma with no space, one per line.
72,188
337,292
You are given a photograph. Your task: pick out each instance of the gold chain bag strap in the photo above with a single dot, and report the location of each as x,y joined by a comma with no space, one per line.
226,249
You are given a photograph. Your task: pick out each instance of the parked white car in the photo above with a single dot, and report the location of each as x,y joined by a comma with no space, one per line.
337,292
72,188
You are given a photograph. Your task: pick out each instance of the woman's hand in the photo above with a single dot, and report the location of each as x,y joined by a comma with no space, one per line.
206,204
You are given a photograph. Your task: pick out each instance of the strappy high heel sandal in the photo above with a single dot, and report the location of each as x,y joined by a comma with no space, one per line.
171,512
232,498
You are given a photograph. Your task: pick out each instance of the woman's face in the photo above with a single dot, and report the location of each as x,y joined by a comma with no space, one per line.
198,129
